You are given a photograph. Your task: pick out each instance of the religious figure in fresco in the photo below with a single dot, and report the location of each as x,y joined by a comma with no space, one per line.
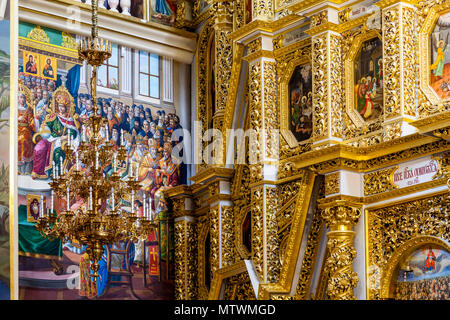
300,102
424,275
164,9
31,66
439,67
369,80
54,135
48,69
25,124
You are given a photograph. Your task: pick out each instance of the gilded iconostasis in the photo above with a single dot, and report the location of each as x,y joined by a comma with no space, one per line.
315,160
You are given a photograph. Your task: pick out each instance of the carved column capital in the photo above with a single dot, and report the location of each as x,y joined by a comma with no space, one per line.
341,217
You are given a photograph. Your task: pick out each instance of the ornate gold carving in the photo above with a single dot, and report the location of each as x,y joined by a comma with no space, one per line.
262,9
344,15
336,83
391,226
304,187
271,119
379,181
392,62
214,233
254,46
185,242
38,34
257,208
227,218
342,279
408,61
68,41
320,85
256,117
222,275
272,241
239,287
332,183
319,19
224,63
309,259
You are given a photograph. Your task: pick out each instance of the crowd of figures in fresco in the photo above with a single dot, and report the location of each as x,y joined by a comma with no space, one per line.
46,120
430,289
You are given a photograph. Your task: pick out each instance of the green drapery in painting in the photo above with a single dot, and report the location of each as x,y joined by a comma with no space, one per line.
31,243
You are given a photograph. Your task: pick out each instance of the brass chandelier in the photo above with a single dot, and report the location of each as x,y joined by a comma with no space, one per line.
103,222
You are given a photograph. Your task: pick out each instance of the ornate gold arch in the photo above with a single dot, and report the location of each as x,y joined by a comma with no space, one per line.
349,75
391,272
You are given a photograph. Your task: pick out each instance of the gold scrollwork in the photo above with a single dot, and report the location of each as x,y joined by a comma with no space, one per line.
379,181
332,183
319,18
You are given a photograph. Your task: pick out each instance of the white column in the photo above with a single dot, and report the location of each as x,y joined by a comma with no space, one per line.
126,69
167,74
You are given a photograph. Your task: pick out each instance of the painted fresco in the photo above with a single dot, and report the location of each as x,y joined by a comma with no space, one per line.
4,161
440,58
300,102
48,111
369,80
164,11
424,275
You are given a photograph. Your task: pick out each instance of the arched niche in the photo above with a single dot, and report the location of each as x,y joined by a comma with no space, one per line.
407,259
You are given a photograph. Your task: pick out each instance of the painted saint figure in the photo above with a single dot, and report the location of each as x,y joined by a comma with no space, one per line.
53,136
25,123
437,68
48,69
31,67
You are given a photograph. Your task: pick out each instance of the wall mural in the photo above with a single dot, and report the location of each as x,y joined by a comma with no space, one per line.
4,160
300,102
424,275
369,80
164,11
440,58
48,112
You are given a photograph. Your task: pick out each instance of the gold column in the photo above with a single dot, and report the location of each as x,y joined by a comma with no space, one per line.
223,26
328,74
264,121
185,243
340,218
185,259
399,62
